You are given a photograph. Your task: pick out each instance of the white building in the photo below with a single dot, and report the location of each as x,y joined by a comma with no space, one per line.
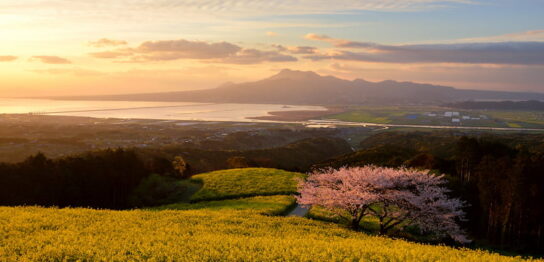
466,117
455,113
456,120
448,114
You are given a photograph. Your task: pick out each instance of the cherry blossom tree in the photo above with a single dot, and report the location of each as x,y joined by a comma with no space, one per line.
397,197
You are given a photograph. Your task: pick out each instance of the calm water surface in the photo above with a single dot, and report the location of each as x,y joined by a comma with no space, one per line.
146,110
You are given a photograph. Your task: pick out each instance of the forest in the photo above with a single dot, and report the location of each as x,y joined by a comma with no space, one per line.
112,178
499,176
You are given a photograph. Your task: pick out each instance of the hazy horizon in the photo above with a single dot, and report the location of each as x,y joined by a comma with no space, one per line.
46,96
57,48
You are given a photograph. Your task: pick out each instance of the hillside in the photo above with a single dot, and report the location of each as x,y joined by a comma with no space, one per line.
246,182
306,88
531,105
229,230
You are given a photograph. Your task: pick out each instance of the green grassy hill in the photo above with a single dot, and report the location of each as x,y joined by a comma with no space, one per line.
236,183
265,205
234,229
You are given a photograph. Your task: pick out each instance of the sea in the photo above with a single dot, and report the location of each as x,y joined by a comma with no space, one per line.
147,110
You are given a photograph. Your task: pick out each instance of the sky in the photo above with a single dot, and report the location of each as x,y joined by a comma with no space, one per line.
80,47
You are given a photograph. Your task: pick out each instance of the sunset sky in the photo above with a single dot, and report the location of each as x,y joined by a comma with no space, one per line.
67,47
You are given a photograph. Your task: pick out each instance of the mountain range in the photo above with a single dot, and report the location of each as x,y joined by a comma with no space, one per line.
310,88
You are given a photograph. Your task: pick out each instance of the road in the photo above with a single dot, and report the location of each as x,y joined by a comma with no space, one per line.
332,122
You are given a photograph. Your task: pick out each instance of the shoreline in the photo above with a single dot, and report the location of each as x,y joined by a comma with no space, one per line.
300,115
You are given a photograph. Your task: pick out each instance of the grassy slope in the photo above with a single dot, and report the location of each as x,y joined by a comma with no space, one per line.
265,205
236,183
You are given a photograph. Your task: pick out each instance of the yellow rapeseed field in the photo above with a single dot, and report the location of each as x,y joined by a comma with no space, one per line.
51,234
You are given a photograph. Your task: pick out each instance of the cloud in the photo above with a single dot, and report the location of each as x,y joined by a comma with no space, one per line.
254,56
72,71
341,43
272,34
533,35
110,54
317,37
302,50
104,42
51,59
214,52
8,58
510,53
296,50
183,49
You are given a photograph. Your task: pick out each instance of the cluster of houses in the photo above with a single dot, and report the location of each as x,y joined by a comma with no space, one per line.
456,117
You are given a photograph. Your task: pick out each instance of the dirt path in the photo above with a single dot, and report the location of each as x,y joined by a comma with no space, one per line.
299,211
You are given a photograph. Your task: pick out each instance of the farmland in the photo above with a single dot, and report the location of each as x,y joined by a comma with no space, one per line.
248,229
49,234
440,116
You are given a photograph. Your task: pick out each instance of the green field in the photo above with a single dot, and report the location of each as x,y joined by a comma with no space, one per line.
243,229
236,183
265,205
416,115
529,119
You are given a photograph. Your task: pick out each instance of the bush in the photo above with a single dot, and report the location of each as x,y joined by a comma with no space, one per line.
157,190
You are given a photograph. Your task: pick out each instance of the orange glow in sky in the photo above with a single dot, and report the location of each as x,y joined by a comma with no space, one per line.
60,47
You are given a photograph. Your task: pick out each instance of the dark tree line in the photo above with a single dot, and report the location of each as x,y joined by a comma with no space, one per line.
103,179
127,178
505,186
501,177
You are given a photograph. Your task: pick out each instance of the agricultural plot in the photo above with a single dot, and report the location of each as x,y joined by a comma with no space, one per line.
51,234
435,116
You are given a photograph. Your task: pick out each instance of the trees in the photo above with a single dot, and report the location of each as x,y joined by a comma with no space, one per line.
498,175
237,162
101,179
180,165
341,191
157,190
397,197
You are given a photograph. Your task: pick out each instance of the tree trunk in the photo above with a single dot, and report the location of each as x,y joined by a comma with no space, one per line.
383,229
355,224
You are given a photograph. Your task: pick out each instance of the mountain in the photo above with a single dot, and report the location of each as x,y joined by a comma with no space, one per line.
530,105
299,87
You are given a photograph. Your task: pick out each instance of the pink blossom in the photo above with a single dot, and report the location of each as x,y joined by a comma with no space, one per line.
397,197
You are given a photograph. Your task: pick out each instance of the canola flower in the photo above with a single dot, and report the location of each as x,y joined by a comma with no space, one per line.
51,234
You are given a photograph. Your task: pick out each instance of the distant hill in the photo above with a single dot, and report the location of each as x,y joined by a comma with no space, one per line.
531,105
309,88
